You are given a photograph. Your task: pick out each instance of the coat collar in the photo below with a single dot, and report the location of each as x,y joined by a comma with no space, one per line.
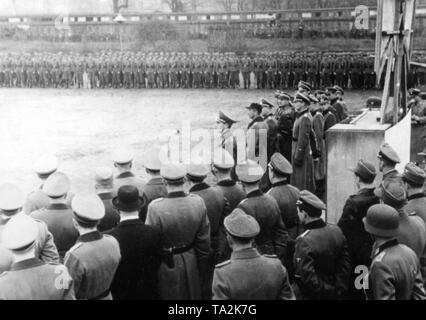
131,222
177,194
388,244
257,119
316,224
58,206
416,196
281,183
366,191
106,195
199,187
89,237
27,264
256,193
249,253
125,175
226,183
390,172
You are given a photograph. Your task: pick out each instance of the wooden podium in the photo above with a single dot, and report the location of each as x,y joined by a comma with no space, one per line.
348,143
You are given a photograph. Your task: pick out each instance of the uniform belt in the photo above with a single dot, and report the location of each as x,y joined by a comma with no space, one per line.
178,250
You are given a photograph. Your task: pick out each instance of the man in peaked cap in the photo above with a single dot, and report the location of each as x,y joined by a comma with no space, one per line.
217,209
104,187
273,236
302,159
388,159
58,215
286,195
286,117
321,258
185,230
248,275
94,259
155,187
12,201
395,270
412,229
272,124
222,165
374,102
257,134
423,163
123,162
354,210
29,277
414,180
141,250
37,199
227,140
336,100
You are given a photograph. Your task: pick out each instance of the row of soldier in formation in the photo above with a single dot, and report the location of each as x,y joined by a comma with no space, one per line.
178,237
277,70
257,233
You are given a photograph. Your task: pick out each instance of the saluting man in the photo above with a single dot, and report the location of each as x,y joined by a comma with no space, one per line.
58,215
29,277
248,275
12,201
93,261
185,228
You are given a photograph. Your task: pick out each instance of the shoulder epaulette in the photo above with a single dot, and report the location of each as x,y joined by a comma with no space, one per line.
156,200
412,214
304,234
220,265
76,246
271,256
379,257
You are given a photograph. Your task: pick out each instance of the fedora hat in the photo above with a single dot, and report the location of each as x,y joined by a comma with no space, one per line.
128,199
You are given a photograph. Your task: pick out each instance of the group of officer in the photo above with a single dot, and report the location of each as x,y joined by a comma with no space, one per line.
262,70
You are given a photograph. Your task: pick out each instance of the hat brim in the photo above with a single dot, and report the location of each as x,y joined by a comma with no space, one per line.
128,207
379,232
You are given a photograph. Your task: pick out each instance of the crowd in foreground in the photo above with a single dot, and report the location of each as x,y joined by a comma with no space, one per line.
136,70
254,233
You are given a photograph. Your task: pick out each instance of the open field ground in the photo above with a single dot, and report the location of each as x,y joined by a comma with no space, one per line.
83,127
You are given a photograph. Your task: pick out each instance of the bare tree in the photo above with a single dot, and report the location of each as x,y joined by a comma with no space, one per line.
174,5
227,5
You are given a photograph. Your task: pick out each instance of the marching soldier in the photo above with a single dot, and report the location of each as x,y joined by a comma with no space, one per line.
12,201
248,275
104,187
355,209
388,159
29,277
58,215
185,230
395,271
273,236
414,179
412,229
321,259
94,259
302,157
123,162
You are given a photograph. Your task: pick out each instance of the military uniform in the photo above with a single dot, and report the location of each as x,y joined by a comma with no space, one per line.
249,275
94,259
395,274
257,147
322,263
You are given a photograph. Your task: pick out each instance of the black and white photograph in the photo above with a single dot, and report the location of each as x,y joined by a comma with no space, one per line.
196,153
